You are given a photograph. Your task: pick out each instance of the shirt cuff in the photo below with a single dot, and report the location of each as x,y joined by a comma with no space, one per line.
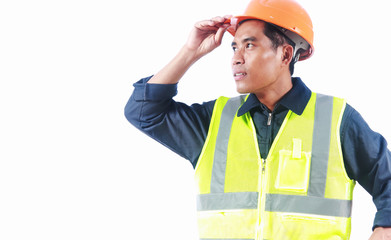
143,91
382,218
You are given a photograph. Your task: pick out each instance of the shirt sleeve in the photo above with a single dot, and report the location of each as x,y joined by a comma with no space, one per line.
180,127
368,161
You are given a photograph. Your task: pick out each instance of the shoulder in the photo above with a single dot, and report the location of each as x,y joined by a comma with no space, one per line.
230,102
352,120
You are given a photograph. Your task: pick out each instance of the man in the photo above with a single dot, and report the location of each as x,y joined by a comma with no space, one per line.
280,162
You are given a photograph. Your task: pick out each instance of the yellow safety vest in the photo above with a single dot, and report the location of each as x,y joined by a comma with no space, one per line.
299,191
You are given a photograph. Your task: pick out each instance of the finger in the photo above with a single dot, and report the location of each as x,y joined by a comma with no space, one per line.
208,26
206,23
220,33
213,24
216,21
222,20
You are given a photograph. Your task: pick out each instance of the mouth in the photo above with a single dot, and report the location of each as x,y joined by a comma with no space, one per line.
239,76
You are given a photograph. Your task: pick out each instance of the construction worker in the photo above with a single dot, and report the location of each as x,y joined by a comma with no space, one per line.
278,162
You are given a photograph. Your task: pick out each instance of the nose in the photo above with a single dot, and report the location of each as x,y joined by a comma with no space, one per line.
237,59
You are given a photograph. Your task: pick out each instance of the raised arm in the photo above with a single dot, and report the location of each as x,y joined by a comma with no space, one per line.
151,107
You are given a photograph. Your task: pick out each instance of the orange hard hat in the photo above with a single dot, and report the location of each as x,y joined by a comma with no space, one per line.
288,15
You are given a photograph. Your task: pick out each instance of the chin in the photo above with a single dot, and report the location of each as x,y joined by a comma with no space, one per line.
242,89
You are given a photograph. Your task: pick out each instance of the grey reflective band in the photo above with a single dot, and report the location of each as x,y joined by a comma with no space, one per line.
225,201
320,145
220,154
308,205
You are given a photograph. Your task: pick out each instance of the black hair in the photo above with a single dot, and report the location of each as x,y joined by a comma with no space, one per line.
278,39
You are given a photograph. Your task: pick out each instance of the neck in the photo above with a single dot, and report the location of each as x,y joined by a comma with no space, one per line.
271,96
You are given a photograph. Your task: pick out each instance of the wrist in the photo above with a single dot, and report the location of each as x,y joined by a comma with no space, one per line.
188,55
176,68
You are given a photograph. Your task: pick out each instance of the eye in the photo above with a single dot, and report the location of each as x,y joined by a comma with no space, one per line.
249,45
234,49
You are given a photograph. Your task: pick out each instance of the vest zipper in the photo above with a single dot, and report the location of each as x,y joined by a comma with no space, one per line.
264,178
262,200
269,119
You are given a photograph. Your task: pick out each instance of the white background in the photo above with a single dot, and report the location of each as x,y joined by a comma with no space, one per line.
72,167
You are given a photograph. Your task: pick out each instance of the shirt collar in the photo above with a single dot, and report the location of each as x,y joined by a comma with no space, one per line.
295,99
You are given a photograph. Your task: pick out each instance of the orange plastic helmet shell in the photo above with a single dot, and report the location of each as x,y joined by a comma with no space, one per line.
288,15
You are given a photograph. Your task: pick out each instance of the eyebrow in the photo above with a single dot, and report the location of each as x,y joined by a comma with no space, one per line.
248,39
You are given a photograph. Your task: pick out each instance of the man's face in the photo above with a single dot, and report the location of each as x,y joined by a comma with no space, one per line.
256,65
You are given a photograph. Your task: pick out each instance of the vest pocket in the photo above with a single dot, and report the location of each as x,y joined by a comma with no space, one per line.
293,170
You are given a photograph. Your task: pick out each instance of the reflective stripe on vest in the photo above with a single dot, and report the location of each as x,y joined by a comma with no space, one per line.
220,156
313,203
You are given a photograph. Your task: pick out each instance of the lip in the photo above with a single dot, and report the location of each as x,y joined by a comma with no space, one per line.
239,75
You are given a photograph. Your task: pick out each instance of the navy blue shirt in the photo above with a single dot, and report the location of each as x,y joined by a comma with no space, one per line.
183,129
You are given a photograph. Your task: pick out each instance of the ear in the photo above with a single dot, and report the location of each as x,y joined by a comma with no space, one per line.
287,54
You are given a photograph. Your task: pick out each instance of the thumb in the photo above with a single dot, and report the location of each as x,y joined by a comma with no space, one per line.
220,33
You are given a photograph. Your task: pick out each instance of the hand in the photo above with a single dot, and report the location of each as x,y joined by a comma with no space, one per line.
381,233
207,35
